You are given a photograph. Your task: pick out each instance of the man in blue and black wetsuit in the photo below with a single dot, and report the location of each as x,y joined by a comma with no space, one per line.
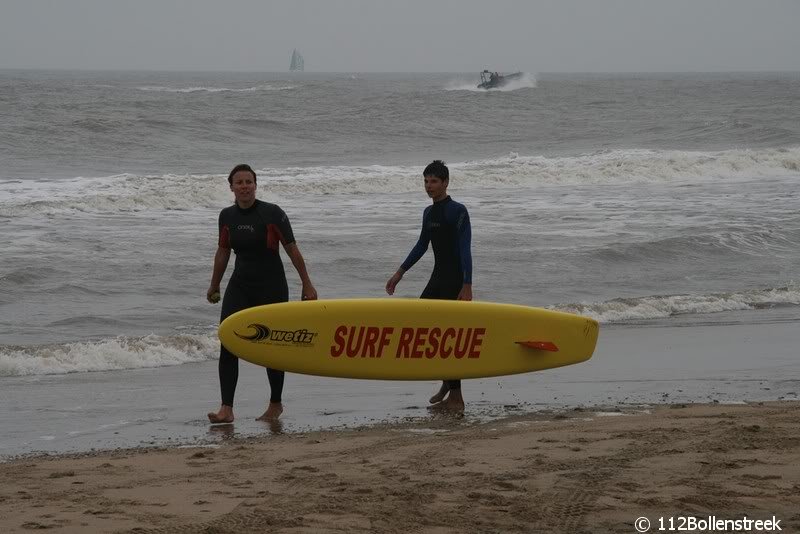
445,225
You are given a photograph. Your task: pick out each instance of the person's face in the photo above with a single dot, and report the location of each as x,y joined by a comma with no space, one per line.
435,187
243,186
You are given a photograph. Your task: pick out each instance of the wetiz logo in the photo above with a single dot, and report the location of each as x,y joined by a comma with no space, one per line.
264,334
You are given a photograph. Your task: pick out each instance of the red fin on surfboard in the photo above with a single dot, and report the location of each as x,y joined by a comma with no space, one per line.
541,345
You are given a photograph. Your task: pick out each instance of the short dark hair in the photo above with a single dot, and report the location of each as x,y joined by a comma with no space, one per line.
438,169
239,168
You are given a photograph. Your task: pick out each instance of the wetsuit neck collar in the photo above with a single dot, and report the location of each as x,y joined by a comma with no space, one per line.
248,209
442,201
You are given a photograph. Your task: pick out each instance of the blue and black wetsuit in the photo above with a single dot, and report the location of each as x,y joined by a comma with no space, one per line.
445,224
255,235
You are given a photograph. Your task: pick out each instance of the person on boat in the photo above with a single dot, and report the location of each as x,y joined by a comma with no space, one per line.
445,225
253,229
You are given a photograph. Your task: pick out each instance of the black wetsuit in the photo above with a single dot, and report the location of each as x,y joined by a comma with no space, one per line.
445,224
258,277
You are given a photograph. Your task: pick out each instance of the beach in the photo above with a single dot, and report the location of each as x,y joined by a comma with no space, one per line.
574,471
663,206
672,419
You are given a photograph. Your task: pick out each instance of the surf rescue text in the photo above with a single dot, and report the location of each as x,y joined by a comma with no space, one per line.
372,341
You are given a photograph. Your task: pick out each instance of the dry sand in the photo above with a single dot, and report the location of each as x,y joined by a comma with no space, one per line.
582,471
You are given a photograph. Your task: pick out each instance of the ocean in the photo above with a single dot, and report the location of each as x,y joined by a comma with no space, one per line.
645,201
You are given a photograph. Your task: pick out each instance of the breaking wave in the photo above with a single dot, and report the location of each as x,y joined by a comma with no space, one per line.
107,355
265,87
120,353
130,192
623,310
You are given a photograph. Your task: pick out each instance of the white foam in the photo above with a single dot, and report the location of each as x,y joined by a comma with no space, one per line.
265,87
107,355
129,192
640,166
656,307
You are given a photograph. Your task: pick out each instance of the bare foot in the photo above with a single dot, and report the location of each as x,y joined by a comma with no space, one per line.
454,403
439,396
274,410
224,415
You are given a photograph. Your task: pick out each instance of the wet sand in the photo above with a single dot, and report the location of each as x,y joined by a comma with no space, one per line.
574,471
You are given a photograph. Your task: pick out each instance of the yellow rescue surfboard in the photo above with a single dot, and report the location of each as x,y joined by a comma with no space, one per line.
407,339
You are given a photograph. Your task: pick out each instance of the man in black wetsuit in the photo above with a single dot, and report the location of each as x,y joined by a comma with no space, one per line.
253,229
445,225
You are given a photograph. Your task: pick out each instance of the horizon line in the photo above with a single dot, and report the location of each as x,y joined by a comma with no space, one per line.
300,73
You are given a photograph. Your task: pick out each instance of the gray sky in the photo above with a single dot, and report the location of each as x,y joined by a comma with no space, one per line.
402,35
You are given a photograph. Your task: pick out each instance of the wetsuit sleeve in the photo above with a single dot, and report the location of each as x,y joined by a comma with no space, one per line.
224,240
422,244
464,231
285,228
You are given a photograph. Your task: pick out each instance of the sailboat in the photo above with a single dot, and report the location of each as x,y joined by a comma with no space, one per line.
297,64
